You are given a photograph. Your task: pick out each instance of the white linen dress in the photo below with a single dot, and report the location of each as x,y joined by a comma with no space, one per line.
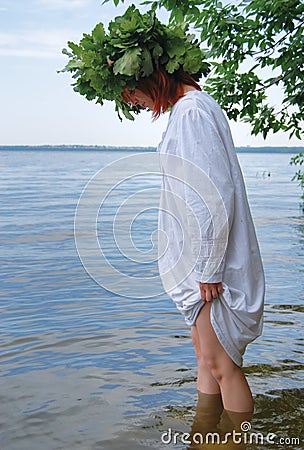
198,136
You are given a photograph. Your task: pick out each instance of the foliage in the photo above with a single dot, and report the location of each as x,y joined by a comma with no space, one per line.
298,160
136,44
244,38
255,48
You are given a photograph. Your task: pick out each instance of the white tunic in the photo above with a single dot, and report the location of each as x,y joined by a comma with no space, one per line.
197,246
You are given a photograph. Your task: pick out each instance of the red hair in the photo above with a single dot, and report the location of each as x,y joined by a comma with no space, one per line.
164,89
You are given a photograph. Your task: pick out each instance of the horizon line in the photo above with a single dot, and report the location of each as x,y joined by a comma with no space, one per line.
135,146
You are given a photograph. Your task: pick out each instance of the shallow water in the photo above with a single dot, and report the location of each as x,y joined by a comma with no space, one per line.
83,368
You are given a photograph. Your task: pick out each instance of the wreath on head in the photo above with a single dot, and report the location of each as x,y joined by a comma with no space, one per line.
104,63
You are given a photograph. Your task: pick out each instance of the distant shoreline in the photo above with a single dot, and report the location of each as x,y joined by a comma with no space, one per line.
97,148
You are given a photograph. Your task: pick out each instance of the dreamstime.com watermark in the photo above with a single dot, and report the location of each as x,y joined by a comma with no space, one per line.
245,436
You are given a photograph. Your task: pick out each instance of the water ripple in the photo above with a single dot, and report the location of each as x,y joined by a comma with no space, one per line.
85,369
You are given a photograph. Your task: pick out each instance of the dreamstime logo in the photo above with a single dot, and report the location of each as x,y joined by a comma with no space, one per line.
114,200
244,436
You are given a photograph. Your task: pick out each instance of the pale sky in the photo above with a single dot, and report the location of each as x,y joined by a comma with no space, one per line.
38,106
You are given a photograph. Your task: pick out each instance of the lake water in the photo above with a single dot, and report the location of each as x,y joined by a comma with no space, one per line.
84,368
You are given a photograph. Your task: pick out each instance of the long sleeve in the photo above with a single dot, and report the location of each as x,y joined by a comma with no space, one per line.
206,229
200,143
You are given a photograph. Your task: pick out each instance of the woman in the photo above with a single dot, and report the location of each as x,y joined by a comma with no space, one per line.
142,63
225,310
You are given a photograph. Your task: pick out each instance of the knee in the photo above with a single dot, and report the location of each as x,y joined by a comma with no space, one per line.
220,368
214,366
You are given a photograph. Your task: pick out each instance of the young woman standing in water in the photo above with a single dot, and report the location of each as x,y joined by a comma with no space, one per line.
224,311
142,63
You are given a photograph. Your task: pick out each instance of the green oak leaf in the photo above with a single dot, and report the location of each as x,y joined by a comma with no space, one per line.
147,64
98,34
129,63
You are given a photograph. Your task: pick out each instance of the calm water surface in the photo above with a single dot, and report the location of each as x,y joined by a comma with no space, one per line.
85,369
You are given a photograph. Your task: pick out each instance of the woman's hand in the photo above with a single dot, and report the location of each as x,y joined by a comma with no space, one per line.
210,291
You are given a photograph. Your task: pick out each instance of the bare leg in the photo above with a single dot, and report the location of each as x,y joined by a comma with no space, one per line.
236,394
208,414
232,420
206,383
